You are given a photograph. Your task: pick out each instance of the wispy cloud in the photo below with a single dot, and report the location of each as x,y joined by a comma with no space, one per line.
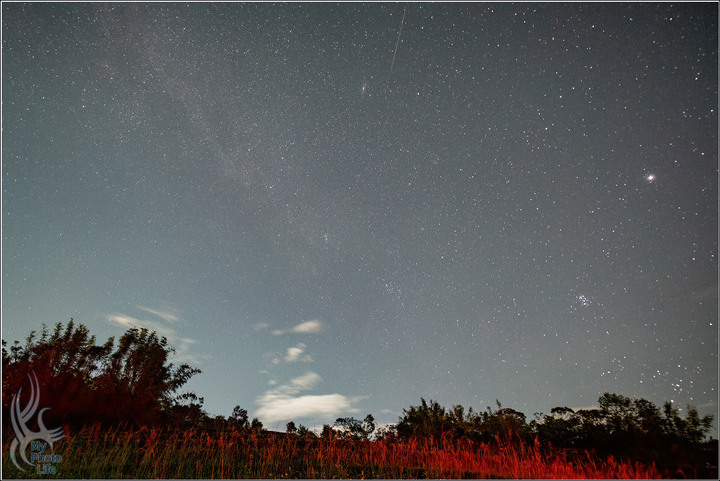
128,322
182,345
282,402
169,314
306,327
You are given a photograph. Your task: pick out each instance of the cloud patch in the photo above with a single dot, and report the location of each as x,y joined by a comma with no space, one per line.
282,402
295,354
169,314
306,327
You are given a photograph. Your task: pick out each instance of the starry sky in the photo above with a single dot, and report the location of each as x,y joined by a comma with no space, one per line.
337,209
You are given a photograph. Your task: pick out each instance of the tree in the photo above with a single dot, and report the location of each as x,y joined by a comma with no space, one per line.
256,425
239,418
138,380
290,428
559,427
304,432
328,432
354,429
631,428
386,433
65,362
562,412
84,383
696,427
426,420
368,425
218,423
511,422
688,431
618,411
187,411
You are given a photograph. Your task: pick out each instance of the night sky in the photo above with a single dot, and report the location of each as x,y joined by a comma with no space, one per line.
518,203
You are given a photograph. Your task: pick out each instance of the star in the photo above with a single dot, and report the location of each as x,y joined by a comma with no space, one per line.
650,178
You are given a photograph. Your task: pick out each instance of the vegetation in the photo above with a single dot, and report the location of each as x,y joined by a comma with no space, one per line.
159,453
131,384
624,428
123,416
351,428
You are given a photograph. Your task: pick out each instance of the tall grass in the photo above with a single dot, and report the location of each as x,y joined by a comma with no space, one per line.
159,453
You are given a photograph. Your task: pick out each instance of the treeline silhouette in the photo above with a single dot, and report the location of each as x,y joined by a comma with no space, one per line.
132,384
630,429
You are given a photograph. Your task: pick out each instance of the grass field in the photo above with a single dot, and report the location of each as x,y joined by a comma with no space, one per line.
157,453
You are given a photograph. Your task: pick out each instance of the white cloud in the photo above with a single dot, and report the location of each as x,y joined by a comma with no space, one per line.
274,408
303,383
259,326
295,354
306,327
282,403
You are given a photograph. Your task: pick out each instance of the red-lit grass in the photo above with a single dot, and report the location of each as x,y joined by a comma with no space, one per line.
157,453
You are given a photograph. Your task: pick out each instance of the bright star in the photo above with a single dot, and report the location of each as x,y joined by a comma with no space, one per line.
650,177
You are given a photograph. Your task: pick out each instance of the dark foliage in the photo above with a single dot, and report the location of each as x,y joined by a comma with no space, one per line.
633,429
434,421
351,428
83,383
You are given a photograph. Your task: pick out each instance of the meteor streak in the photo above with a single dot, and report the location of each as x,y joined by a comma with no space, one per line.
398,39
